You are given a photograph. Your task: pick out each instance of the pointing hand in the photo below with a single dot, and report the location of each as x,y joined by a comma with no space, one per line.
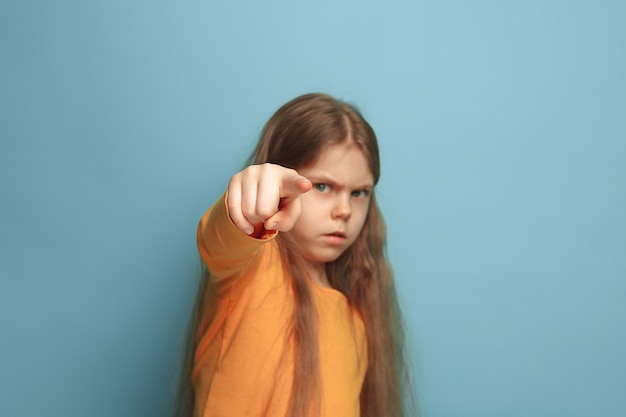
267,195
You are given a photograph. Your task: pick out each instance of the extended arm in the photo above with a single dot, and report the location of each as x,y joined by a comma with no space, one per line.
261,200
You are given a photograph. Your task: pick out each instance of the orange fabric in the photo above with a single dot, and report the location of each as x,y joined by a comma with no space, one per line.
244,361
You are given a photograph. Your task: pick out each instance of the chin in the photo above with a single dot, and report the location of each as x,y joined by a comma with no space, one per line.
326,258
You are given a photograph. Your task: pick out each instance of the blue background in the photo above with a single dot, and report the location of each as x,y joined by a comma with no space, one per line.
503,136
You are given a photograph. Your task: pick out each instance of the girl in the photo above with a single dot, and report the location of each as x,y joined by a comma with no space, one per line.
297,314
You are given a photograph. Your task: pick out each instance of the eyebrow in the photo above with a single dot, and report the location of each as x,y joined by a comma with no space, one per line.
324,178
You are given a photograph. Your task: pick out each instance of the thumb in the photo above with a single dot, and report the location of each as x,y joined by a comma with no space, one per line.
290,206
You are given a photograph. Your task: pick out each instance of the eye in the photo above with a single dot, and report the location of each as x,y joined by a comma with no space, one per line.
360,193
321,187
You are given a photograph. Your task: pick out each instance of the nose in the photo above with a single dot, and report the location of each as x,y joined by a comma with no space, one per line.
342,208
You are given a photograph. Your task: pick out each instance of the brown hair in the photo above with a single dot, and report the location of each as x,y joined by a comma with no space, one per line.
294,137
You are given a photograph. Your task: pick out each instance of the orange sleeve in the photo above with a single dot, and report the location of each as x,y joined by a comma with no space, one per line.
225,250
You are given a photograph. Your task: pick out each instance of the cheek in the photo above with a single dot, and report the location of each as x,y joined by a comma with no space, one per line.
314,206
360,218
304,222
363,209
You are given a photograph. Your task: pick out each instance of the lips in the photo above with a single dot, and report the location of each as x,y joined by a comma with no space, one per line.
335,238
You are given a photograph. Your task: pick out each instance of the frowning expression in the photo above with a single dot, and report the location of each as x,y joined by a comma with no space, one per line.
335,209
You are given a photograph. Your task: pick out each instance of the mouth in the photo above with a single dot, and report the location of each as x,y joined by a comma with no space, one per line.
335,238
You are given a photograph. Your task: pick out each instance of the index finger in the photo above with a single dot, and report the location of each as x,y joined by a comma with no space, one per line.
294,184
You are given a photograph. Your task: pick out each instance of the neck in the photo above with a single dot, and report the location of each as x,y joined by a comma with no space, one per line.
317,273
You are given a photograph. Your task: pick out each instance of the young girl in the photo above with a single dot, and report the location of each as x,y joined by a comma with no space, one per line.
297,314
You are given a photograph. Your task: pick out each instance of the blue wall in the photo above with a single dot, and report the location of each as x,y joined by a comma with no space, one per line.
503,133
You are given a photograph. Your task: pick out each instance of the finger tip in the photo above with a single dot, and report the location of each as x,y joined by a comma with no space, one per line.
304,184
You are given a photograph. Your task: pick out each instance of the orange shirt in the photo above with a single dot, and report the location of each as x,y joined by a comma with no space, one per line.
244,362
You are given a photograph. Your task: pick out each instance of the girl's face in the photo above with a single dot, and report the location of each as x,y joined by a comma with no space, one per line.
334,210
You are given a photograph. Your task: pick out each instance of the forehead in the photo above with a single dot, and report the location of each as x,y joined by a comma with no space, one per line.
344,163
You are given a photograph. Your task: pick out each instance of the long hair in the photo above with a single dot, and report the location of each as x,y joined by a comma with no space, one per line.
294,137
